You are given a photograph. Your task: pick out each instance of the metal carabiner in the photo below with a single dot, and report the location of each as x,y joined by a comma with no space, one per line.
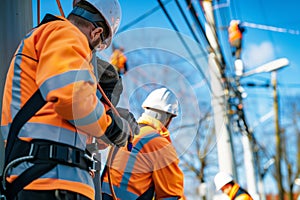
93,160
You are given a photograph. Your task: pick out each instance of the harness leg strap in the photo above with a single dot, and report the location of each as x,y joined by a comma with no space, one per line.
27,177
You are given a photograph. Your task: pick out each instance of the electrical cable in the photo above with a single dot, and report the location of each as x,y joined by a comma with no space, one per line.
271,28
198,23
148,13
241,121
220,59
243,126
188,24
202,29
210,23
226,51
183,41
190,27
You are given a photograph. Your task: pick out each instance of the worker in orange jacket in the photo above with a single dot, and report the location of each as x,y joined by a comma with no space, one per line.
151,169
55,60
235,33
119,60
224,181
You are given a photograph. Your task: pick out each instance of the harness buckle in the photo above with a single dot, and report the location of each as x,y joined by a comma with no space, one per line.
2,197
64,154
94,164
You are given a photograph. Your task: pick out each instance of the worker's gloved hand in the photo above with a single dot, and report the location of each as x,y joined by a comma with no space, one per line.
128,116
117,132
110,81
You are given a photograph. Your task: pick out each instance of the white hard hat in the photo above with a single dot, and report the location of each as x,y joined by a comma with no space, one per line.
222,179
162,99
234,21
110,11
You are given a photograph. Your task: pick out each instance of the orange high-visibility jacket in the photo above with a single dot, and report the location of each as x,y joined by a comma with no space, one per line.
152,164
234,31
118,59
56,59
238,193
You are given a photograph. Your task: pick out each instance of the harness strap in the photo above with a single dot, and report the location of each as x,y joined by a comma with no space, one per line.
44,150
56,153
35,103
46,154
27,177
147,195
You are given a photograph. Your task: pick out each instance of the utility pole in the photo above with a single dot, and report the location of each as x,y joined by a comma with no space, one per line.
16,21
272,67
249,168
277,136
247,138
224,144
219,96
260,184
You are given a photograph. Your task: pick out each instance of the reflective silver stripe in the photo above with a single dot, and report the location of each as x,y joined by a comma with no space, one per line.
53,133
4,131
62,172
93,117
15,105
64,79
133,157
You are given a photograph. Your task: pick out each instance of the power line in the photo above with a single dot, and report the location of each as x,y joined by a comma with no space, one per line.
183,41
271,28
187,22
198,23
145,15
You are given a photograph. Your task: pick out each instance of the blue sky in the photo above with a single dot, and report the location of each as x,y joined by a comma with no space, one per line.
259,46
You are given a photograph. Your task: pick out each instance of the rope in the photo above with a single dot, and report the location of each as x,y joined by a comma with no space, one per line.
60,8
113,150
38,11
114,110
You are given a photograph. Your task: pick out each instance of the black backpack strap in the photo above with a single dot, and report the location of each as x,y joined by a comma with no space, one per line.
34,104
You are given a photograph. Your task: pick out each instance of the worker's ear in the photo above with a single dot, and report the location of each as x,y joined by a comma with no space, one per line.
96,33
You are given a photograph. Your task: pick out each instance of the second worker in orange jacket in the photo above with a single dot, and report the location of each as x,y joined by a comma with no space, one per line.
151,169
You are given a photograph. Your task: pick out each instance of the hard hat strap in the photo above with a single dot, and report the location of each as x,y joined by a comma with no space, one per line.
91,17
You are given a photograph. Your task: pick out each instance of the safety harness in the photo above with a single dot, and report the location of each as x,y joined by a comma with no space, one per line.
43,154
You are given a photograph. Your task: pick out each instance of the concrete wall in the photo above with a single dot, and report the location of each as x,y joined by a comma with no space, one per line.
15,21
